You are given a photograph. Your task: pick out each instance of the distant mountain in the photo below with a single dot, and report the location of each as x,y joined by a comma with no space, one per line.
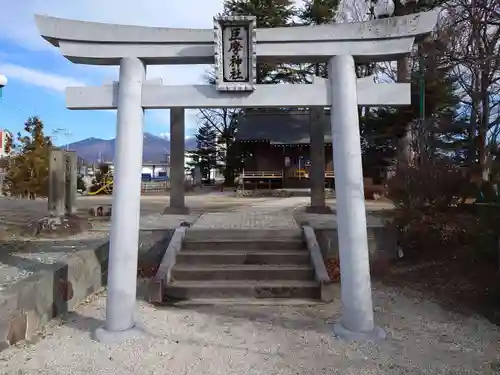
155,148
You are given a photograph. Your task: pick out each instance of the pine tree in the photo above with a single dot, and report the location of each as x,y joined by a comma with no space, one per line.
442,132
28,163
269,13
206,155
318,12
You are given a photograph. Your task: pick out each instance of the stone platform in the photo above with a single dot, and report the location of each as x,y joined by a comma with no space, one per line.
42,278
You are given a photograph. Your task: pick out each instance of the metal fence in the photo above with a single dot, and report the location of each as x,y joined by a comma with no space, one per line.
154,186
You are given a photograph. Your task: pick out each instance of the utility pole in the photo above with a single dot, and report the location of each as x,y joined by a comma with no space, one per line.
3,83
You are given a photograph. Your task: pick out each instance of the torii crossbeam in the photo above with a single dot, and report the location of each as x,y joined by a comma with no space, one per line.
234,46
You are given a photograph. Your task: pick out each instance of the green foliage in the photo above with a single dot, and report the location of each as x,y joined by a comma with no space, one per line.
442,133
27,168
269,13
206,155
224,121
316,12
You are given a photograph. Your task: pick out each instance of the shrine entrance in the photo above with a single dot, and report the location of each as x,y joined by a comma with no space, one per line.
234,46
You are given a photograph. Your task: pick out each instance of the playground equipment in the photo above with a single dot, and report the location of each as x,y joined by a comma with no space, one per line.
106,185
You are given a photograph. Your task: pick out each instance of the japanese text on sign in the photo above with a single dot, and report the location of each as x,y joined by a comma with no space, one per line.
235,54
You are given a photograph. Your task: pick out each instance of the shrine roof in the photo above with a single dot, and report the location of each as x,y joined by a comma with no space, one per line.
279,127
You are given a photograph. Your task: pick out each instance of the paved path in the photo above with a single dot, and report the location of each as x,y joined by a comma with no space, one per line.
274,213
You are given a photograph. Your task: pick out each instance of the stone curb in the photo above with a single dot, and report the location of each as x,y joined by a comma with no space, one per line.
320,272
163,275
29,304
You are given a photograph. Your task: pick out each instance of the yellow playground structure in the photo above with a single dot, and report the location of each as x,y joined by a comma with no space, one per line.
106,185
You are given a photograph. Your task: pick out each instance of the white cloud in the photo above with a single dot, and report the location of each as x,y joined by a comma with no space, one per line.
165,135
147,13
38,78
165,13
162,117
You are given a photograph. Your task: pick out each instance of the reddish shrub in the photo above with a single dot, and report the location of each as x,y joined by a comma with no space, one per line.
333,269
429,218
428,232
435,183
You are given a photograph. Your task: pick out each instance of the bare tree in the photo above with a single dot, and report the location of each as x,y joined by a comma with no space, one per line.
474,51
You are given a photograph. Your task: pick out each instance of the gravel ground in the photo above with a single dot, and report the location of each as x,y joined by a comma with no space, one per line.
20,259
154,222
236,339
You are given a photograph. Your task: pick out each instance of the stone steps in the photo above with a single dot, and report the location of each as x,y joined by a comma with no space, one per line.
243,289
246,244
236,257
238,272
243,264
242,234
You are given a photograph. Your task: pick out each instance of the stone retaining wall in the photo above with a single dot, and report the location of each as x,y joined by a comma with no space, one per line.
281,193
29,304
382,243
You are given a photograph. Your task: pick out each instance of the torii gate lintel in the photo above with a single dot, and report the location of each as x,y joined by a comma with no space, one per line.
235,46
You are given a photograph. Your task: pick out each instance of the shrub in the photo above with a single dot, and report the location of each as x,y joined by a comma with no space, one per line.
434,183
427,232
429,220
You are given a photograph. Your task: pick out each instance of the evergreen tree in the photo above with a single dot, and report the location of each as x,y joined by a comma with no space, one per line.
224,122
206,155
318,12
28,161
269,13
442,132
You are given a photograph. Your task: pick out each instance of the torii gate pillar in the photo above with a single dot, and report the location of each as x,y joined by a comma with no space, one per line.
177,203
128,46
123,255
357,315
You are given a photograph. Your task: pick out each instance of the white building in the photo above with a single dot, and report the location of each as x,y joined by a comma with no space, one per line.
157,169
3,141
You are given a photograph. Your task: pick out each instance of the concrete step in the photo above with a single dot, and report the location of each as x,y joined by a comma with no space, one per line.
247,244
242,289
250,301
242,272
193,234
234,257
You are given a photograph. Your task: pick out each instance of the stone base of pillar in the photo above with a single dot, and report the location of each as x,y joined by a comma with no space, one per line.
176,211
104,336
321,210
49,226
343,333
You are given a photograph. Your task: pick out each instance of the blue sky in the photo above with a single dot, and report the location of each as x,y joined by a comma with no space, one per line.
38,74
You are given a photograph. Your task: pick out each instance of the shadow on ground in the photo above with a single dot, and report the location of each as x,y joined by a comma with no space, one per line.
310,318
460,282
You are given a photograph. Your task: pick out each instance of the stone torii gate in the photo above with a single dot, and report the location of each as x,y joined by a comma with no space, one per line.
235,46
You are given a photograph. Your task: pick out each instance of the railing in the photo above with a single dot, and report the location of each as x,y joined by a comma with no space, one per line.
261,179
262,174
154,186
